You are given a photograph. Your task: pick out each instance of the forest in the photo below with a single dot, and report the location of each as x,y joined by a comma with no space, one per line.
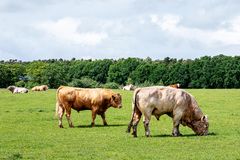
205,72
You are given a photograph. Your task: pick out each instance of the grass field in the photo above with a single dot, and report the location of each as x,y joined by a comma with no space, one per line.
29,130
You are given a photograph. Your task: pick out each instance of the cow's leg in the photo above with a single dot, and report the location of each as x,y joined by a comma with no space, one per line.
130,125
68,114
104,119
136,119
60,115
94,113
176,122
146,121
176,131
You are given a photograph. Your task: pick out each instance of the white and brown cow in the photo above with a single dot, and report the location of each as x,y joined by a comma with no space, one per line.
15,89
98,100
40,88
176,103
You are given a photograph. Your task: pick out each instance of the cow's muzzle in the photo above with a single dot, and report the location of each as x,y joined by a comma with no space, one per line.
120,106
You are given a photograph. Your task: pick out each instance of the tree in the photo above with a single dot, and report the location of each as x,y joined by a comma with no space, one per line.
177,73
158,73
6,76
55,75
35,71
120,70
142,73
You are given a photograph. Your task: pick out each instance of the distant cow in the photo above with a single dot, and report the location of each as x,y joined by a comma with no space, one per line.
175,85
176,103
40,88
129,87
15,89
98,100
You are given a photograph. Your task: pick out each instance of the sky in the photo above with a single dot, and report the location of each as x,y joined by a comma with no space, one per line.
113,29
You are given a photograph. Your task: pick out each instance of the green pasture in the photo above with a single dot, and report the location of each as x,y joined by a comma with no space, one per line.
29,130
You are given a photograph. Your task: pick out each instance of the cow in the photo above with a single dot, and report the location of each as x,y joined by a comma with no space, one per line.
175,85
97,100
129,87
40,88
176,103
15,89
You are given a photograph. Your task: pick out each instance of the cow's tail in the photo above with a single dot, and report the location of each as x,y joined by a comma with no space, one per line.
134,109
57,109
57,101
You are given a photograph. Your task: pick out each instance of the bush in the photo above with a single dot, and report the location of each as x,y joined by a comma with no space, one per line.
20,84
146,84
31,84
111,85
84,82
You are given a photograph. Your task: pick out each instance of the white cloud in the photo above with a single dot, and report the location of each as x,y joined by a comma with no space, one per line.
67,30
166,22
235,24
224,35
116,29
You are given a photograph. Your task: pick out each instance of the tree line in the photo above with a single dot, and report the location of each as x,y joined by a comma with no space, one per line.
206,72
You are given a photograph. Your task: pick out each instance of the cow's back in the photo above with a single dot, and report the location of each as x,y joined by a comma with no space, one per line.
83,98
92,97
162,99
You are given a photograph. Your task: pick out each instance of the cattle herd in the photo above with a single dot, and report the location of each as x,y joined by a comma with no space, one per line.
147,101
15,89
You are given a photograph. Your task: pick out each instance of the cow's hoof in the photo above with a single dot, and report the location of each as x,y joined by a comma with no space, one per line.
128,131
105,124
134,134
176,134
92,124
60,126
71,126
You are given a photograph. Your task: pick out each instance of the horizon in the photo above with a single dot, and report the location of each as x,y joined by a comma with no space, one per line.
73,58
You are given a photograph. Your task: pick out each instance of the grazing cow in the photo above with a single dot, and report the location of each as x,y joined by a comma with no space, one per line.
98,100
40,88
129,87
176,103
175,85
15,89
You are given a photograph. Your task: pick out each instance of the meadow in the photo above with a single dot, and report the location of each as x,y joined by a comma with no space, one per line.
29,130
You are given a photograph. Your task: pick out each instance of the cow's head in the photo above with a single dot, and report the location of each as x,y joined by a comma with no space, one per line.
116,100
11,88
200,127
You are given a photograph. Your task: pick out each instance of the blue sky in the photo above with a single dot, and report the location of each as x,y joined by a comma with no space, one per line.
98,29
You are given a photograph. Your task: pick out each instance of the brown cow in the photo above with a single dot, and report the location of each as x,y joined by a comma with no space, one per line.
175,85
98,100
176,103
40,88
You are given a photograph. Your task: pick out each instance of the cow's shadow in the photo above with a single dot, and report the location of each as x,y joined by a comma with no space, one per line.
184,135
99,125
